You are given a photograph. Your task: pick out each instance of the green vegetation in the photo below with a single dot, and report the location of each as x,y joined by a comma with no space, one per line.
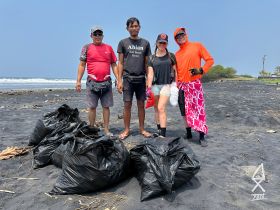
264,73
277,70
270,81
219,72
246,76
270,78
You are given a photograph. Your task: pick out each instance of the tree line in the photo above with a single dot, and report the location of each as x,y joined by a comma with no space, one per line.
265,73
219,72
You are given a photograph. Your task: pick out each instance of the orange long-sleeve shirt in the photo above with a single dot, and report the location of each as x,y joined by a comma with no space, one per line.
189,56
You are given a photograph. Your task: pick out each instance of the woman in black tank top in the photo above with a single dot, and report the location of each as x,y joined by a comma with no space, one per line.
161,73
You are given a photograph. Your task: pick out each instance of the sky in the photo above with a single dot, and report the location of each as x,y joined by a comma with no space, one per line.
43,39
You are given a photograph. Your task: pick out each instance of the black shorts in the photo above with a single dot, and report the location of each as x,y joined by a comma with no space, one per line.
181,102
130,88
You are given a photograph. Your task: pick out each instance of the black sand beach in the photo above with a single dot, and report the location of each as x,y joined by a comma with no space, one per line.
244,131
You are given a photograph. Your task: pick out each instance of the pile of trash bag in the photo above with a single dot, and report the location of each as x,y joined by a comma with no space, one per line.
89,161
51,131
91,164
163,165
58,154
43,152
52,122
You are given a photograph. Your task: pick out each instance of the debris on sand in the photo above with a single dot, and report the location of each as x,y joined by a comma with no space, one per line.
129,145
84,110
271,131
7,191
107,200
51,196
10,152
22,178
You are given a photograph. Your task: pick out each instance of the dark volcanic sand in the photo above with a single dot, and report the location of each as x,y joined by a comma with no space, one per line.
239,115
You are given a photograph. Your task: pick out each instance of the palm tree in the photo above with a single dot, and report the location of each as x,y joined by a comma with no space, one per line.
277,70
264,73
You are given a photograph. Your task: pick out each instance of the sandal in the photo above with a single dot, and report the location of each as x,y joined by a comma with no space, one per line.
124,135
146,134
109,134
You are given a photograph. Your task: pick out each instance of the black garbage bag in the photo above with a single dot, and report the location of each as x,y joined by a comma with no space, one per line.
92,164
39,133
52,121
58,155
163,165
45,149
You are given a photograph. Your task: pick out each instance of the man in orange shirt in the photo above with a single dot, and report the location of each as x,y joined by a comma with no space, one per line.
189,73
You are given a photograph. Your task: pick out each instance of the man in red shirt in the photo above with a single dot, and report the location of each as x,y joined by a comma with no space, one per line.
98,57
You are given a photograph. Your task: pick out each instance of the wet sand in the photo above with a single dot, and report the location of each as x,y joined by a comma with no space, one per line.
241,117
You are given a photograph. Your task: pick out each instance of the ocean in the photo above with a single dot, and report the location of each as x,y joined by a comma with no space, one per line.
37,83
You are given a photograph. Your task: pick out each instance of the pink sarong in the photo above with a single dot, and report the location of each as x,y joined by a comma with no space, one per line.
194,105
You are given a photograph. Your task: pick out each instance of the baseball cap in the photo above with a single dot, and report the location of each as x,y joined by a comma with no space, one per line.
96,28
162,38
181,31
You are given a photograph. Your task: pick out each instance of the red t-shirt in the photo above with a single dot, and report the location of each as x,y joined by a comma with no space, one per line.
98,59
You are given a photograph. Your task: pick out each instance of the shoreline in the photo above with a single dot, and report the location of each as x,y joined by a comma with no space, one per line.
37,89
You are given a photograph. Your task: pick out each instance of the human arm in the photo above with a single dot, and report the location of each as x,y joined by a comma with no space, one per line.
209,61
146,64
174,67
115,70
81,70
147,57
175,73
150,76
120,73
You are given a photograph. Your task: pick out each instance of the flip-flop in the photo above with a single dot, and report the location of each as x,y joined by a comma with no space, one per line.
109,134
146,134
123,136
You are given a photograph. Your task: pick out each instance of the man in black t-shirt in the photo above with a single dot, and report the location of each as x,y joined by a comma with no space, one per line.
133,57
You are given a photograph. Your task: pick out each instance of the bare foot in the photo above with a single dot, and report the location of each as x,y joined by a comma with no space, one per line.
107,132
123,135
146,134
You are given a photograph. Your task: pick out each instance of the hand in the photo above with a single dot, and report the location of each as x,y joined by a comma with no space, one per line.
148,92
196,71
78,86
120,86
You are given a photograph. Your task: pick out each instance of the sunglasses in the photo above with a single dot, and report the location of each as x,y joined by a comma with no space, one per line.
179,36
97,34
163,43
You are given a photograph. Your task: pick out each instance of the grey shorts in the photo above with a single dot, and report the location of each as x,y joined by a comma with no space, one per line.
106,98
129,89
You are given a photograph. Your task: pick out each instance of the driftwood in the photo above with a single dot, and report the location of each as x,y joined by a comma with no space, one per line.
7,191
10,152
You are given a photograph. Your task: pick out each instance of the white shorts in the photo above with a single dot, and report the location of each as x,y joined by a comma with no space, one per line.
161,90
